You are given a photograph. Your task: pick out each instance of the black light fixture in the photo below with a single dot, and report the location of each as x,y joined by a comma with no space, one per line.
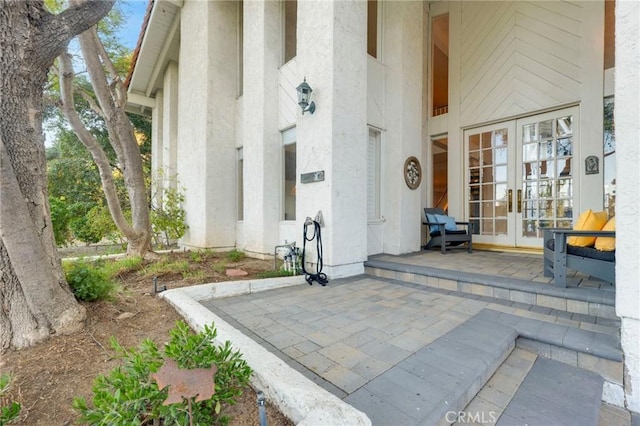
304,96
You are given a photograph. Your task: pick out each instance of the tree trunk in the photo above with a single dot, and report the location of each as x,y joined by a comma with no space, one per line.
111,94
35,300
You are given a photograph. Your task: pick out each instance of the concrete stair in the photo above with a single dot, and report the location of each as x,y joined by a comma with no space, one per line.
442,379
583,301
554,393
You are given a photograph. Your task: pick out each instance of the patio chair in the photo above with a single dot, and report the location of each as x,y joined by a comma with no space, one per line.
443,231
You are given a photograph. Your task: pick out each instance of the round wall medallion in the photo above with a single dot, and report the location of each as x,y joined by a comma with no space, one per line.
412,172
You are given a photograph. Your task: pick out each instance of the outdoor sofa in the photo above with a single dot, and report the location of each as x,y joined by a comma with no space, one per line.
560,256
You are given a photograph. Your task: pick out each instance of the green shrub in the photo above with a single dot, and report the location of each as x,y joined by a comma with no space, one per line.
80,223
235,255
129,396
88,281
8,412
60,221
168,218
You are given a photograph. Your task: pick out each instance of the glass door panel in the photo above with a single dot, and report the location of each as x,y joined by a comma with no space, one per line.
545,145
489,152
519,177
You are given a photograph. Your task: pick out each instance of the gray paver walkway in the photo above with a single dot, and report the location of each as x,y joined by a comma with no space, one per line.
360,338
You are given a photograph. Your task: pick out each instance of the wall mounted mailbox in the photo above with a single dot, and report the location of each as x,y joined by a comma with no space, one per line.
312,177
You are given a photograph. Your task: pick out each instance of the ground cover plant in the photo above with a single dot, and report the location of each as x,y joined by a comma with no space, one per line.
46,378
127,395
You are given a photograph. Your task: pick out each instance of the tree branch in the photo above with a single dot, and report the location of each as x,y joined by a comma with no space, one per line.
55,31
89,141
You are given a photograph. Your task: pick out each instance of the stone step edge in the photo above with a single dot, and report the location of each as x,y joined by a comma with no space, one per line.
515,329
583,294
589,350
581,301
468,344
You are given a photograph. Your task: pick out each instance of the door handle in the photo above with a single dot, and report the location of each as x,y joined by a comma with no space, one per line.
510,200
519,201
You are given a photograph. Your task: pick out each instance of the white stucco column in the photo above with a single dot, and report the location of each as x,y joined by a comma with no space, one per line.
206,129
403,45
627,116
170,125
262,146
157,123
332,55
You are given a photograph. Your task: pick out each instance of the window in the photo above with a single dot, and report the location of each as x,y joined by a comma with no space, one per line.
609,34
439,166
373,176
372,28
240,184
290,173
290,28
609,167
440,64
240,45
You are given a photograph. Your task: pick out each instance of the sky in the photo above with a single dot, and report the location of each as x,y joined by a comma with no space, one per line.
133,11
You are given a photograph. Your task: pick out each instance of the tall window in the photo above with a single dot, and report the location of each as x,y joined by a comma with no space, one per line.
289,142
439,165
372,28
240,45
609,167
609,34
373,176
290,28
240,183
440,64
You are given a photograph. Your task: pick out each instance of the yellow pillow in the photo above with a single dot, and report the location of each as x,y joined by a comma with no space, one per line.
588,221
607,243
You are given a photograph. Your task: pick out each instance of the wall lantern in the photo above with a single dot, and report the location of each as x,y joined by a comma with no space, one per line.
304,96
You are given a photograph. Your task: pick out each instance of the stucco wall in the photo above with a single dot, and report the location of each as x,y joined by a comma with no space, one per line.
206,159
627,111
517,58
402,56
334,139
262,145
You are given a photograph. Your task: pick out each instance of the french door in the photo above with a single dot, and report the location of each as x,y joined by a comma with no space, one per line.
519,177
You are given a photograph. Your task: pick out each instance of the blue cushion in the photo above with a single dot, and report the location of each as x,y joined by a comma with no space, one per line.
449,222
432,219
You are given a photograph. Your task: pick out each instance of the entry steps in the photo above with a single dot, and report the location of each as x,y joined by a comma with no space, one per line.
554,393
581,301
437,383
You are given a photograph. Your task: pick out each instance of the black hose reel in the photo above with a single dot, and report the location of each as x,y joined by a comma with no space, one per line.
316,224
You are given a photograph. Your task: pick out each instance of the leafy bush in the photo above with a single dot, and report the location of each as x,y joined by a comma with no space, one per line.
88,281
101,224
8,411
80,223
129,396
60,220
168,217
235,255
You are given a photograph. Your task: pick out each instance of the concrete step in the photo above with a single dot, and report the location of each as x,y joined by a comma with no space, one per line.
518,394
582,301
554,393
440,378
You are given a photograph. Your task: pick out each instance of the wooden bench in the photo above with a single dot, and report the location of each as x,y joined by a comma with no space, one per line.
560,256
